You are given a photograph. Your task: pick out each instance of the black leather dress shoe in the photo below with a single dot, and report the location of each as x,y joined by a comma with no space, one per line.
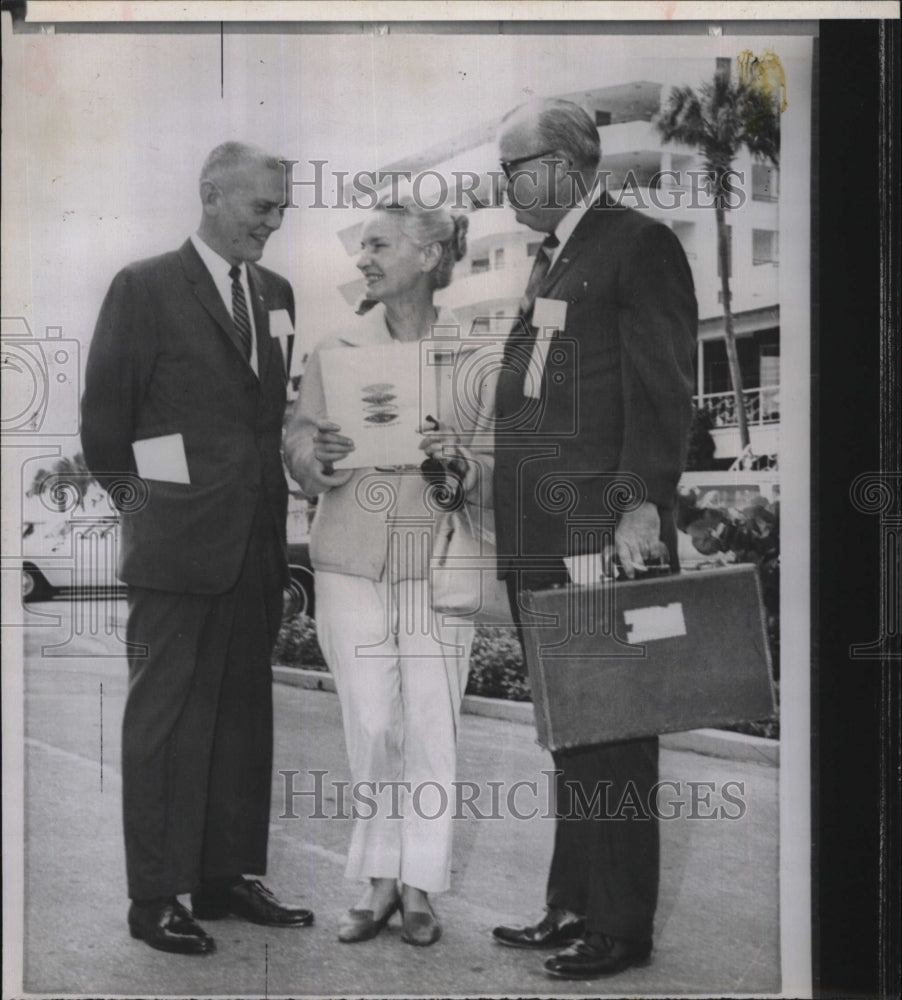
597,955
557,927
168,926
249,899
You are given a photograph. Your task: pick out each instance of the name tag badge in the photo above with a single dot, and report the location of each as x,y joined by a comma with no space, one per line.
548,316
280,328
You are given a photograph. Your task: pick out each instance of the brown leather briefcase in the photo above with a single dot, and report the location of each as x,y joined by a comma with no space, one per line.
616,661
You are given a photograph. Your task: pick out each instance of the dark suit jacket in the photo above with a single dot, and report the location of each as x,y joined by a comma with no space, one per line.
616,392
166,359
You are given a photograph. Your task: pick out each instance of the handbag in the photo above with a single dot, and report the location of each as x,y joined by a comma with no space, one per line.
463,572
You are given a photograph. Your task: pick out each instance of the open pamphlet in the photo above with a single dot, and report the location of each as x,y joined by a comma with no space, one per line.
380,397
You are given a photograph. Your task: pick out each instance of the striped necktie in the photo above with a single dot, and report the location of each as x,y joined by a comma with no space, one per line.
540,268
240,315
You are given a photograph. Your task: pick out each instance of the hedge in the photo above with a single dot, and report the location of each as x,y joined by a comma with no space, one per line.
496,662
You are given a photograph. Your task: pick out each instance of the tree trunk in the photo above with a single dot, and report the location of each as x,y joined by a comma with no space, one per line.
729,335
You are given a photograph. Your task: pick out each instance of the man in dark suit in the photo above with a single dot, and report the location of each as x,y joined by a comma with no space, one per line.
613,400
181,420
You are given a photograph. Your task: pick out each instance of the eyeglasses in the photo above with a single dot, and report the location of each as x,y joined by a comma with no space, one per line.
508,166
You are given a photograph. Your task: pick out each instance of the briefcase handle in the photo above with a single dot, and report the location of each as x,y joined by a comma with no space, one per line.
594,570
653,568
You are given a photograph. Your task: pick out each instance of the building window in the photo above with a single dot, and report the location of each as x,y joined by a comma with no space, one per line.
759,363
769,369
479,264
729,254
532,249
499,258
765,246
749,350
765,182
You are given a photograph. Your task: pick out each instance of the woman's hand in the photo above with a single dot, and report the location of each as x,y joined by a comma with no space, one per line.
329,446
442,444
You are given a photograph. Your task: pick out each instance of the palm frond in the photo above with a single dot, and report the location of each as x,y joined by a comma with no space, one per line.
719,118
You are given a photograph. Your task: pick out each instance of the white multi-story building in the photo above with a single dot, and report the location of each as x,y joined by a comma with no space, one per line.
641,172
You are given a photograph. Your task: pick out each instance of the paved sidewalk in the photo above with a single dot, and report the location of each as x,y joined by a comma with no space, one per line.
716,932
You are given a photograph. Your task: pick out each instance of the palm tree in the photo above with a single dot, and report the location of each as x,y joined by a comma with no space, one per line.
718,120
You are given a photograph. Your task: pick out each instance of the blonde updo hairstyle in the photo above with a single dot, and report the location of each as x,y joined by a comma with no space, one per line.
424,226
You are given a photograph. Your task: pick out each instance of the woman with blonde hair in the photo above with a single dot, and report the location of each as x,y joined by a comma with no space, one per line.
400,669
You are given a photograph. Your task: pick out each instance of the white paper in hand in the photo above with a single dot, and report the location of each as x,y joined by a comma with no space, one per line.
586,569
379,396
162,458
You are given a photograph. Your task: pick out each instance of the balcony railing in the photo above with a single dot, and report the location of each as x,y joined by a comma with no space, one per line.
762,406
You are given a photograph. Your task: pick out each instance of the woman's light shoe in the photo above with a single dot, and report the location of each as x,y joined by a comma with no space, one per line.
361,925
420,928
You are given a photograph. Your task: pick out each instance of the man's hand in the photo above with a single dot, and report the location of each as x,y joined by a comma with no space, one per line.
637,538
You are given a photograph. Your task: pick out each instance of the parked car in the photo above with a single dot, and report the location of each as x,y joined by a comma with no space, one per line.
36,586
61,554
299,596
56,559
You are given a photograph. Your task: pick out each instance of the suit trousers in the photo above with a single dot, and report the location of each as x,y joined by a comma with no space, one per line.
400,674
197,729
605,863
606,859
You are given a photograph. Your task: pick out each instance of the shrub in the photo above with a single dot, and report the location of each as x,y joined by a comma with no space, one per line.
497,669
496,663
297,645
700,456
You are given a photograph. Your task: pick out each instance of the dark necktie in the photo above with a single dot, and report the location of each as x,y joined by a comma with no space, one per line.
519,344
240,315
540,268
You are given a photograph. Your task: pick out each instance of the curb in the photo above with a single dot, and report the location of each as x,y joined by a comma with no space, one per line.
708,742
725,744
310,680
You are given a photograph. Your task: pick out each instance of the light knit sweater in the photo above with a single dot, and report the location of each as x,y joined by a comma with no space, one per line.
368,520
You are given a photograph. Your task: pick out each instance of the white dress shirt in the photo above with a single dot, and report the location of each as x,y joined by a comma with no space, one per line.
219,269
572,219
